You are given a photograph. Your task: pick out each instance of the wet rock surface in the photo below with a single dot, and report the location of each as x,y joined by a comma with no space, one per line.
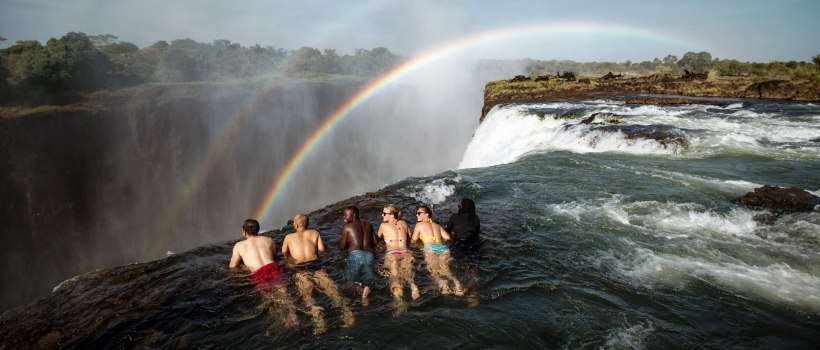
780,199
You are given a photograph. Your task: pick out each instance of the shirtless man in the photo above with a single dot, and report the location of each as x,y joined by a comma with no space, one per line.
436,255
302,248
257,254
359,241
398,259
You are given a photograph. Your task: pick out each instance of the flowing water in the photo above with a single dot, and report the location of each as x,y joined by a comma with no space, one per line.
595,234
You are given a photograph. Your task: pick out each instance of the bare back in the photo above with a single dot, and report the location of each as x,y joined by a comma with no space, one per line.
395,235
429,233
254,252
303,246
358,235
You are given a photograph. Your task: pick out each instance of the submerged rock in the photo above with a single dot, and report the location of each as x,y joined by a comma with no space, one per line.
779,199
666,135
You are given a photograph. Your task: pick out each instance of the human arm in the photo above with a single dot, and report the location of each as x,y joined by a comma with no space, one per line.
416,232
444,234
448,226
285,246
235,257
320,246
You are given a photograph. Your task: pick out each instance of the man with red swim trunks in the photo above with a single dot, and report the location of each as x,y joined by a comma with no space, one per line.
257,253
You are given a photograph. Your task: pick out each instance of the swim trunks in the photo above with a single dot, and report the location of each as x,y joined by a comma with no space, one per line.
436,248
399,252
268,277
360,267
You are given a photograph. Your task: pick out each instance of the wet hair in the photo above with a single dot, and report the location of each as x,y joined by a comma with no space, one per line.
467,206
427,210
394,210
251,227
302,220
354,209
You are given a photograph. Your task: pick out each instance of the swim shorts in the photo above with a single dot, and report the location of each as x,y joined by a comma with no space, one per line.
268,277
437,248
360,267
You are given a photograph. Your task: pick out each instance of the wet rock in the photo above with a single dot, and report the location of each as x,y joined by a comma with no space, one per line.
687,75
666,135
609,76
666,101
569,76
780,199
775,89
518,78
610,118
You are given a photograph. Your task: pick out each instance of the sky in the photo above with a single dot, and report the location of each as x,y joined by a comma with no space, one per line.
580,30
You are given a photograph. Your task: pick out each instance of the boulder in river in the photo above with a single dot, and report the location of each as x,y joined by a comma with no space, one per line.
780,199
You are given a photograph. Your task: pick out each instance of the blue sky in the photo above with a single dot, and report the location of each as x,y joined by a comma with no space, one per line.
748,30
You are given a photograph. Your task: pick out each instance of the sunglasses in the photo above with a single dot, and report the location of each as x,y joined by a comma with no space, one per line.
420,212
383,213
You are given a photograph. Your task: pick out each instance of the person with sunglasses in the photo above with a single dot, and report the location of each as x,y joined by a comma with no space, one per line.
398,260
436,255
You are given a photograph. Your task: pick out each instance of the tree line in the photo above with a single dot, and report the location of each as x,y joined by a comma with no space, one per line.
693,62
32,73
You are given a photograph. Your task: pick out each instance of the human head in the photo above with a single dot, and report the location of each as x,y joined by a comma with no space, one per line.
391,209
350,213
427,213
300,220
466,206
250,227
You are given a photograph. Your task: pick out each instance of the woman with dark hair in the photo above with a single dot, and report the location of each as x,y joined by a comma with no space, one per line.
464,227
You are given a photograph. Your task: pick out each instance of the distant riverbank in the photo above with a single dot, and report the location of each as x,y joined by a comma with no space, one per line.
552,88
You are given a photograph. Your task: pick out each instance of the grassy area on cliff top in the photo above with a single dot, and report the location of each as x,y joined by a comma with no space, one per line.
547,88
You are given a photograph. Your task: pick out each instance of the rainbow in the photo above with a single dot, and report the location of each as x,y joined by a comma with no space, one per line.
427,57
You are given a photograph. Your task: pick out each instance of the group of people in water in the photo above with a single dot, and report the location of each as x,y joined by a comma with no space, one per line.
360,242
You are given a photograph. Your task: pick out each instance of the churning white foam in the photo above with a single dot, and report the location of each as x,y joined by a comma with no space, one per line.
629,337
434,192
512,131
775,263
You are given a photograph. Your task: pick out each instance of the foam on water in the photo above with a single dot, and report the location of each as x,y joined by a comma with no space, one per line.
512,131
629,337
434,192
728,249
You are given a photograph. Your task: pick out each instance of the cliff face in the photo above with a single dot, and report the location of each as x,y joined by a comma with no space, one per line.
130,174
551,88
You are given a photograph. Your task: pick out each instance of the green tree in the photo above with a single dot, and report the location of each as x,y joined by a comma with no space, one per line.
69,63
103,39
816,60
127,65
670,60
696,62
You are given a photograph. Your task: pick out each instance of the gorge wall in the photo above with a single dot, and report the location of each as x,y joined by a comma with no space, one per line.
132,174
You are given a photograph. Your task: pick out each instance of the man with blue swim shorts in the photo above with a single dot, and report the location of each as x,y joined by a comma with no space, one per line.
359,241
436,254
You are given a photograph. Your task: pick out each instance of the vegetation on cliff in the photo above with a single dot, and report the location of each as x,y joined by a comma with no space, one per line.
568,87
57,72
